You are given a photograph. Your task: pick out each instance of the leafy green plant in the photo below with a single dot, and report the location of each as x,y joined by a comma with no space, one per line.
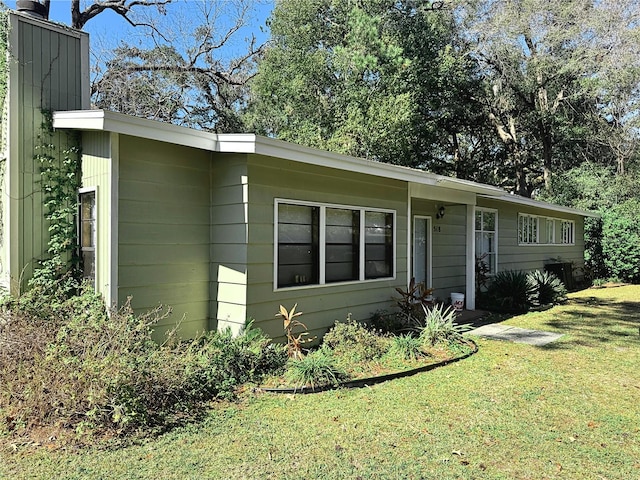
547,287
440,327
482,273
406,347
386,322
316,369
70,362
295,341
621,241
354,341
510,291
60,180
411,302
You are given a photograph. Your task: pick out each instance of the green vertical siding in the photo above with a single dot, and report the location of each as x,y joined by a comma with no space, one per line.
45,73
164,231
271,178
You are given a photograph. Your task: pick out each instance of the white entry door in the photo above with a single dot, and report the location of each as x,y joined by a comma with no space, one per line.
422,250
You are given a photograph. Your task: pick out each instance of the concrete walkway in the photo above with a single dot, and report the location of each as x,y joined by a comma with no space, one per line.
497,331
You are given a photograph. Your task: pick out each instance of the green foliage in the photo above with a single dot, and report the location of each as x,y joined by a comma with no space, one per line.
599,188
60,181
440,327
621,241
547,288
510,291
407,347
4,67
75,365
386,322
358,78
411,304
354,341
316,369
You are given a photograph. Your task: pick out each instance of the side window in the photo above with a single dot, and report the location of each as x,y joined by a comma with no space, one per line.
486,238
88,234
568,232
528,229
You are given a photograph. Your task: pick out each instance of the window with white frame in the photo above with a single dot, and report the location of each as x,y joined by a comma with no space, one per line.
88,234
540,230
551,231
568,232
486,238
528,229
320,244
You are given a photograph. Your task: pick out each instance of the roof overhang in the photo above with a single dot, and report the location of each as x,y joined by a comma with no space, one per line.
529,202
106,121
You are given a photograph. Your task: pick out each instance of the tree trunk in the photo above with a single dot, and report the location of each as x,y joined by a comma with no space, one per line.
547,154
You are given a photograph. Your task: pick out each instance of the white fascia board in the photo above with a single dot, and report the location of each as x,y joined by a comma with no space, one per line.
529,202
103,120
290,151
469,186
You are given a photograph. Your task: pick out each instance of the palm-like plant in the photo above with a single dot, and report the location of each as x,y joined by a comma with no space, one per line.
295,341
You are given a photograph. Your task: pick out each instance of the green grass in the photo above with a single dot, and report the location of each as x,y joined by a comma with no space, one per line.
567,410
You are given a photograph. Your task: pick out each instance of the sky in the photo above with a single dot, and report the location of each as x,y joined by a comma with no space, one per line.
108,29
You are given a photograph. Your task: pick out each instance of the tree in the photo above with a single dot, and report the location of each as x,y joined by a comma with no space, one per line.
541,60
359,78
124,8
184,75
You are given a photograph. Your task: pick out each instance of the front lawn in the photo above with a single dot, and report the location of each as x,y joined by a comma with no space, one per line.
566,410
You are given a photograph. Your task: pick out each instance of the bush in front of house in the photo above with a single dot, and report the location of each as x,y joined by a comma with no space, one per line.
509,292
514,291
73,366
353,340
621,241
547,288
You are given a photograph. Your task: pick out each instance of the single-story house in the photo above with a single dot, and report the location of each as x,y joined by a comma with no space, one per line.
226,227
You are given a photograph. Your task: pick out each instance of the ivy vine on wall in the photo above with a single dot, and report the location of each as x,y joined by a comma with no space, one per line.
4,47
60,181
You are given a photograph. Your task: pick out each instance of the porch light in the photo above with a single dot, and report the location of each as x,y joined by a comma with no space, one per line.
440,213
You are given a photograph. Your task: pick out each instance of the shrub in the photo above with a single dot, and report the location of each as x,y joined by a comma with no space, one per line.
406,347
316,369
510,292
621,241
547,288
353,341
72,365
410,304
386,322
439,326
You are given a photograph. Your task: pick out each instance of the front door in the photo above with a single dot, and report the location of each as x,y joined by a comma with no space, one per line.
422,250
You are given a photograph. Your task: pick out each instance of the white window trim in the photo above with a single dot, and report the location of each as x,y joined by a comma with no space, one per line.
545,219
322,250
82,190
496,243
571,234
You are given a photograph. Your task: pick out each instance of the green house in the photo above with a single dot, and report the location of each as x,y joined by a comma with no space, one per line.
226,227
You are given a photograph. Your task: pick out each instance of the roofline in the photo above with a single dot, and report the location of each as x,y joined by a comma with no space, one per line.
106,121
530,202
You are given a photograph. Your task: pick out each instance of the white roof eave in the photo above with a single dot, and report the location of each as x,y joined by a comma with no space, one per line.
103,120
530,202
